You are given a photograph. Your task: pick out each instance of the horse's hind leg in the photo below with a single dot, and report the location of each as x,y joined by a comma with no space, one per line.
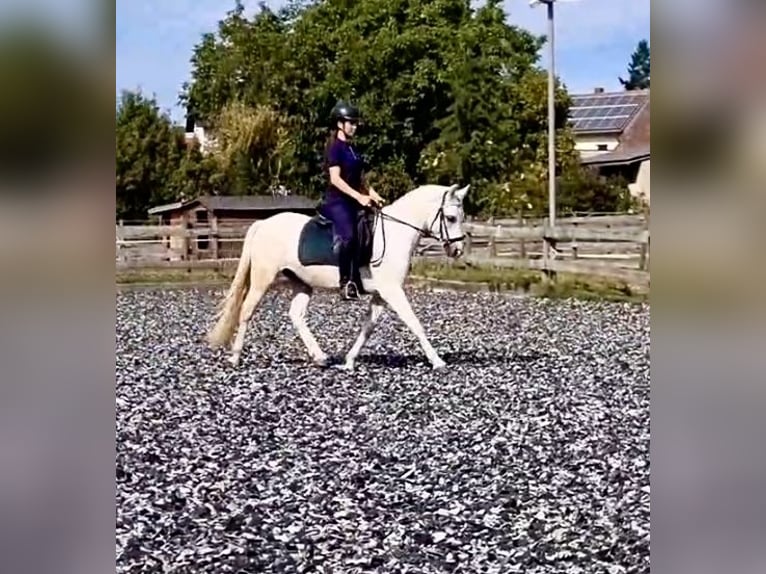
259,284
301,298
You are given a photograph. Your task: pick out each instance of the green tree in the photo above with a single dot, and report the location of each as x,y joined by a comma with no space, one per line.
253,150
638,69
154,164
449,93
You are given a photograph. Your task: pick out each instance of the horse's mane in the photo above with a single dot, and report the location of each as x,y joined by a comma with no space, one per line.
426,190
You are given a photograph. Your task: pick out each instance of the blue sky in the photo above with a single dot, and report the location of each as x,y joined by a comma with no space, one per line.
594,40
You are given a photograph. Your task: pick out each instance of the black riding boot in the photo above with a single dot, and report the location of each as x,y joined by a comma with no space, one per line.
356,276
348,289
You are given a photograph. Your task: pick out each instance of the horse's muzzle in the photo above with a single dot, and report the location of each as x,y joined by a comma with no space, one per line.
454,250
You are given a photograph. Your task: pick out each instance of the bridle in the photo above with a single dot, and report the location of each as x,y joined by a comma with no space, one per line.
443,236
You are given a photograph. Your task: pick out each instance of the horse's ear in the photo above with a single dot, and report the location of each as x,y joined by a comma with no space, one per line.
462,192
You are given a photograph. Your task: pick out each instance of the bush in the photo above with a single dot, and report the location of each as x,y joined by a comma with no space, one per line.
582,190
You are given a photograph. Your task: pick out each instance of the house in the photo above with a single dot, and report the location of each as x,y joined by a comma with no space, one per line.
194,131
612,134
214,217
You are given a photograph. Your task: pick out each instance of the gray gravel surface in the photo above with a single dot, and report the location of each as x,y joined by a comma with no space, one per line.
529,454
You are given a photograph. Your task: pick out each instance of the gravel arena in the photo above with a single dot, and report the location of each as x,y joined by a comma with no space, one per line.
529,453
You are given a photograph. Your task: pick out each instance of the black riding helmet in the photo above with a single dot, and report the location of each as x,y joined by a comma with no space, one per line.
343,111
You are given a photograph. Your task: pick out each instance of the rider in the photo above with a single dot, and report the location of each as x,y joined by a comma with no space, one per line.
347,193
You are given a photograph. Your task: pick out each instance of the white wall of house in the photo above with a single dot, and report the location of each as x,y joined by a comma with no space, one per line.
205,141
590,145
640,188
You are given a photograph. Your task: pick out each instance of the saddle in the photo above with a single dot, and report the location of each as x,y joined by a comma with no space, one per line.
318,242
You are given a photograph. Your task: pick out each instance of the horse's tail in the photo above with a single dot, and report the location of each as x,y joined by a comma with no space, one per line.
228,311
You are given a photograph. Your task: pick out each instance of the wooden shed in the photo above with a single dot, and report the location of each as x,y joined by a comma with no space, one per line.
217,223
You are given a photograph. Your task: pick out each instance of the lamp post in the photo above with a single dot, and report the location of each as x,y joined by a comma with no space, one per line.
551,112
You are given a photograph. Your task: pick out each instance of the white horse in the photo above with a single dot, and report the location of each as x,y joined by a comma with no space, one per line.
271,247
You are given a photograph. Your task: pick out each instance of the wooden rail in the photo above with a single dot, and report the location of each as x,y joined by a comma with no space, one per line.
615,246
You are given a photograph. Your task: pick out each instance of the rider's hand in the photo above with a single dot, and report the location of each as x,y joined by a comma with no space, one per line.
376,198
365,200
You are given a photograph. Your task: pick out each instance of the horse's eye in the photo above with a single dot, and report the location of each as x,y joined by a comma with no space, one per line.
451,219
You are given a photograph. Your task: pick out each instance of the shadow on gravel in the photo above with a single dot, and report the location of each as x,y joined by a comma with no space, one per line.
474,358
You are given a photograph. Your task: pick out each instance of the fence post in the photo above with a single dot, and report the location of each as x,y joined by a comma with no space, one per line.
214,236
522,242
643,264
492,246
548,253
575,247
643,256
467,245
184,237
120,237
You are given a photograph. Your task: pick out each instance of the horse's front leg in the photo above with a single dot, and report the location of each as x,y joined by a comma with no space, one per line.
396,298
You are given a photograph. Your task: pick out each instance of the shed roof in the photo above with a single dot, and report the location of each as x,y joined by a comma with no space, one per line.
239,203
623,155
166,207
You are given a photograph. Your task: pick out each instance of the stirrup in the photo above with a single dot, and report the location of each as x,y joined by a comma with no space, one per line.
359,286
349,291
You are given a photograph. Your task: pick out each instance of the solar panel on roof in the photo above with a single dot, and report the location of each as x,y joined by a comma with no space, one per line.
603,111
590,112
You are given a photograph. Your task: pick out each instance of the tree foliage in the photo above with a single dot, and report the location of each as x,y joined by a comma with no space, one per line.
154,165
449,94
638,69
252,148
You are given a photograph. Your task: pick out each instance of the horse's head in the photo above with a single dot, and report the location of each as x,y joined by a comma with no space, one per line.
446,222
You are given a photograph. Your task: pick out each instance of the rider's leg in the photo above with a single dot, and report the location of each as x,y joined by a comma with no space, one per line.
346,263
356,276
343,218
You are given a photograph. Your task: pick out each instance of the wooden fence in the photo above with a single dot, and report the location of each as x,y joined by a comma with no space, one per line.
614,246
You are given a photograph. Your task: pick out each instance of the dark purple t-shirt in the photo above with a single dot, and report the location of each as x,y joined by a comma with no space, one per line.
342,154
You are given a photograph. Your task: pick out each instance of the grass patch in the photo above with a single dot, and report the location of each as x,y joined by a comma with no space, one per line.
159,276
526,281
592,289
496,278
532,282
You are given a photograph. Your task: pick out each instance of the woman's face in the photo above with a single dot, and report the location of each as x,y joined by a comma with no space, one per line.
348,127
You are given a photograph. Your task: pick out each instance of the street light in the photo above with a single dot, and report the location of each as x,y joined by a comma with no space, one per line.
551,110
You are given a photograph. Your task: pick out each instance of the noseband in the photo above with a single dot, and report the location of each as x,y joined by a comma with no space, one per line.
443,233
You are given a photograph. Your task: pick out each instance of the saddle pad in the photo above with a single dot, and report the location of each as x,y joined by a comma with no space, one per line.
315,246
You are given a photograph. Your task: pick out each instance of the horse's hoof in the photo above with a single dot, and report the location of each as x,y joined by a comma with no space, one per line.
348,367
439,365
323,361
233,361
